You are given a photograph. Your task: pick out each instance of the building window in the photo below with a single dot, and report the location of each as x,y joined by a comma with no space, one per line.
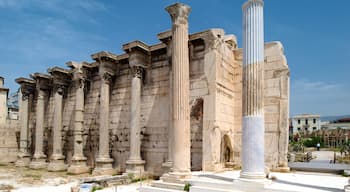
314,121
299,128
298,121
305,128
314,128
306,121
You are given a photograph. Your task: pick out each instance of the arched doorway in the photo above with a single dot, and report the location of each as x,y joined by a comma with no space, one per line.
226,151
196,134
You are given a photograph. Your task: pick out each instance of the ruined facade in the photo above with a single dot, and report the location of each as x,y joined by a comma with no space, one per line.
115,114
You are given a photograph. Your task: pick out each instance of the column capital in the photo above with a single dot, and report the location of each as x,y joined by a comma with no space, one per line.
27,87
179,13
137,71
107,77
250,2
61,79
43,81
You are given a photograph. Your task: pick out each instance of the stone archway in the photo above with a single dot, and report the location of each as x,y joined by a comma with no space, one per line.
196,134
226,151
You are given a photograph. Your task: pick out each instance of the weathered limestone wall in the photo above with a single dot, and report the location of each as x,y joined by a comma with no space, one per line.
215,106
276,105
9,139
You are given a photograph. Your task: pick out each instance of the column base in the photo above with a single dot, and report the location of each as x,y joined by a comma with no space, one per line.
251,184
136,168
252,175
23,159
104,166
57,165
176,177
38,164
78,166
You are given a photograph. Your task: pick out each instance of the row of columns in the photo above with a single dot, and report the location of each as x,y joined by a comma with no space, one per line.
59,79
253,122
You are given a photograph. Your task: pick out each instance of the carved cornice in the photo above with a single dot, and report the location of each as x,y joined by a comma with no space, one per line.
43,81
104,56
136,45
179,13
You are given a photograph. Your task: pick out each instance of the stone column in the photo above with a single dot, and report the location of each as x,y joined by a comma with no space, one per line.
57,158
104,161
181,112
39,158
135,164
26,91
253,131
78,165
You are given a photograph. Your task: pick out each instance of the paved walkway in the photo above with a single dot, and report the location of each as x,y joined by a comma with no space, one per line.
320,164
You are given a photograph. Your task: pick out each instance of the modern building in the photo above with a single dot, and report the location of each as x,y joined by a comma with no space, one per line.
306,123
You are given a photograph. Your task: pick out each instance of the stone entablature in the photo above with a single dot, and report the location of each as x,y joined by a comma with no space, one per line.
117,111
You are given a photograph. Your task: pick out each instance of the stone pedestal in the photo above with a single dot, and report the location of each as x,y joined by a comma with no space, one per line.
180,100
253,131
57,158
78,165
39,158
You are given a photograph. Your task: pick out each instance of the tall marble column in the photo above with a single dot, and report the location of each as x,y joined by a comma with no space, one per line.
180,100
57,158
27,86
39,158
103,160
253,130
135,164
78,164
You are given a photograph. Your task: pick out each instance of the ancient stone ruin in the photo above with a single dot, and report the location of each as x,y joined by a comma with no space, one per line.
176,104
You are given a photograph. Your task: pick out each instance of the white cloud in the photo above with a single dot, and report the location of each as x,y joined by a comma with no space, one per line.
320,97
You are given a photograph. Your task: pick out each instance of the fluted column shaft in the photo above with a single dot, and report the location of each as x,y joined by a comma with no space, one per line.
253,132
39,127
79,121
24,124
103,153
135,129
180,68
57,125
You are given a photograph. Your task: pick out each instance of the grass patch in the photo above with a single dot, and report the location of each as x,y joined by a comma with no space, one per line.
187,187
32,175
95,188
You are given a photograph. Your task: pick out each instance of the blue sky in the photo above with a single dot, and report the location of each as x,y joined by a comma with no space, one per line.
37,34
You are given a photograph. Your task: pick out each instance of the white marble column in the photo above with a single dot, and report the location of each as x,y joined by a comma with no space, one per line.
253,131
23,155
135,164
78,164
57,158
39,158
181,112
104,161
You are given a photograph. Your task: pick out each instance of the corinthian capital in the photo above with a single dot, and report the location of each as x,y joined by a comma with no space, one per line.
107,77
179,13
137,71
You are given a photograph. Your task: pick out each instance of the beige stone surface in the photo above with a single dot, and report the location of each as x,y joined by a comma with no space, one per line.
90,131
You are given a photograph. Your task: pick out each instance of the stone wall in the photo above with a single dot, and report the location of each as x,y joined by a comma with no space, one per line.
9,139
215,104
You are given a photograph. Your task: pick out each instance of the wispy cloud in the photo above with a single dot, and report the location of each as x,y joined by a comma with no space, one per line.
325,98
